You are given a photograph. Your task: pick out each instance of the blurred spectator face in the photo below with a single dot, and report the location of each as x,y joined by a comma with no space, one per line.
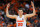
1,18
27,5
20,12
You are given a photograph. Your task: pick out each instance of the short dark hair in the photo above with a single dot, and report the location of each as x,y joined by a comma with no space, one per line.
20,9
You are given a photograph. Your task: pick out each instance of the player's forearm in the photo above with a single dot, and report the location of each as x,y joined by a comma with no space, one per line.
34,10
7,11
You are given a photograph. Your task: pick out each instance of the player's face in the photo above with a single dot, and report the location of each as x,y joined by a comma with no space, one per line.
20,12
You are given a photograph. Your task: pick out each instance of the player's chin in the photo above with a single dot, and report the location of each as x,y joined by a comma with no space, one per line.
21,14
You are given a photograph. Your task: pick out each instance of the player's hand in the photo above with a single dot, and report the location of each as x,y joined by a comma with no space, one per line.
8,4
32,3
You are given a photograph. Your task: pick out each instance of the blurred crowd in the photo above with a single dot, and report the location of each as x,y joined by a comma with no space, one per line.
13,9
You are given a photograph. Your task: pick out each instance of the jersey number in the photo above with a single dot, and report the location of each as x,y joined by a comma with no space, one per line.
20,24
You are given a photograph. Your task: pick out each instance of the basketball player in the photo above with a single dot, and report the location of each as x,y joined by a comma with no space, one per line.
21,19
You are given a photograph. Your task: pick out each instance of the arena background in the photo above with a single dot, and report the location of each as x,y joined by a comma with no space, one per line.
13,9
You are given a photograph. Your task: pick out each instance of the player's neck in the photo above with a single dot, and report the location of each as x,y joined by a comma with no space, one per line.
20,16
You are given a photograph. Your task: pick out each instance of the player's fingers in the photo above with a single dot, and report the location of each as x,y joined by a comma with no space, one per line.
31,1
8,4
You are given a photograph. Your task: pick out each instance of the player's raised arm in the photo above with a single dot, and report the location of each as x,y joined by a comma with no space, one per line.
7,13
30,15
